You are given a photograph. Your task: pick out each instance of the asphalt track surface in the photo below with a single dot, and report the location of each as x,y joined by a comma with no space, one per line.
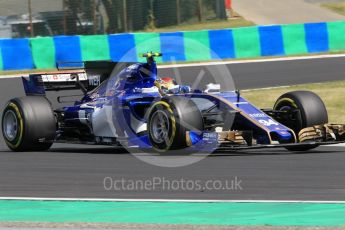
74,171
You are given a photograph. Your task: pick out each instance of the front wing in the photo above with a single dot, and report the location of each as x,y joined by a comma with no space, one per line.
317,135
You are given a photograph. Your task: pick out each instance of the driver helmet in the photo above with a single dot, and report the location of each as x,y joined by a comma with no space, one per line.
165,83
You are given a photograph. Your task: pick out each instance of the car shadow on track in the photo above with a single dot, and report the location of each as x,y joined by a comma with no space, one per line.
115,151
270,152
90,150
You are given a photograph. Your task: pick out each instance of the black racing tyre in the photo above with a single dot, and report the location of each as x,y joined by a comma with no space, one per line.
312,112
28,124
168,121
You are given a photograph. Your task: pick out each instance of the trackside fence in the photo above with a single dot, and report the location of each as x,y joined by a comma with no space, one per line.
205,45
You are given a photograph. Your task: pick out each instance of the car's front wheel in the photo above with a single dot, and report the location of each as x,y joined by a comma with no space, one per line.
169,120
310,111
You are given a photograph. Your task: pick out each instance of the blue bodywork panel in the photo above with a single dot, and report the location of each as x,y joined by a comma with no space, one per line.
127,94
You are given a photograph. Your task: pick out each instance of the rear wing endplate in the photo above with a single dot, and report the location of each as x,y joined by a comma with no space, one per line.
85,76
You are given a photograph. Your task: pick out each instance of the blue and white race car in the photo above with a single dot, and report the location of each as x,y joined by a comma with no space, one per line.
127,104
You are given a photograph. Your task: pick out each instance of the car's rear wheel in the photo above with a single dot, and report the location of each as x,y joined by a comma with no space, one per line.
28,124
169,120
310,111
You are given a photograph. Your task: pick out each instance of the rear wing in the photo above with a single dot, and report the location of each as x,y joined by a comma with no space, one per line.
86,77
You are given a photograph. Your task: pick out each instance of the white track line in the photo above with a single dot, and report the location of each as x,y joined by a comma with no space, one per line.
13,76
337,145
169,200
274,59
269,88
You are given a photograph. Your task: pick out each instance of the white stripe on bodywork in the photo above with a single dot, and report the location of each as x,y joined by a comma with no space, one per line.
82,117
102,122
138,126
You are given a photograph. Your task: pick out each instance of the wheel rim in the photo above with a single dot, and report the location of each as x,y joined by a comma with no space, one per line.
293,124
10,125
159,128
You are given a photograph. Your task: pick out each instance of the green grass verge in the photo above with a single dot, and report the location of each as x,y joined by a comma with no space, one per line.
332,93
338,7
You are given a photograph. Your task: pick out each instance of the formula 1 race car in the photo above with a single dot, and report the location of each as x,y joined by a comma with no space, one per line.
127,104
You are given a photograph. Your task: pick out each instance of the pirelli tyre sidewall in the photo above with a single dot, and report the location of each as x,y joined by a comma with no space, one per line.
312,112
36,126
182,114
